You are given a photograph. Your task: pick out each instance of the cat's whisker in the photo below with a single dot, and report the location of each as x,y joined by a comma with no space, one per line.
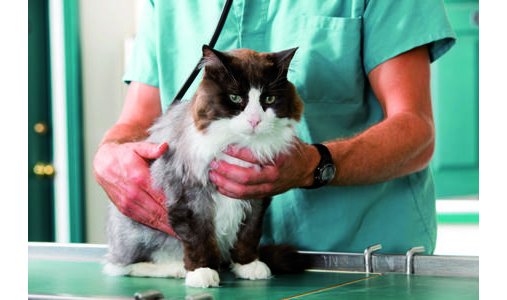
231,76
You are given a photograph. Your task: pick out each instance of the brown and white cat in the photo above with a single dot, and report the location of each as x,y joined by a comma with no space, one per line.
243,99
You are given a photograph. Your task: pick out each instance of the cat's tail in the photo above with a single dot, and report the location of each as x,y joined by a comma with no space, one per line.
283,259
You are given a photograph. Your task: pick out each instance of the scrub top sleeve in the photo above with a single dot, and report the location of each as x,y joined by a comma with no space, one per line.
394,27
143,65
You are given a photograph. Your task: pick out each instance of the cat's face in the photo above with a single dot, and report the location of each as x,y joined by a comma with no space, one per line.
248,89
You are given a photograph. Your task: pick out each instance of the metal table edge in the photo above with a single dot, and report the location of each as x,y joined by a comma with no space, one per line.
435,265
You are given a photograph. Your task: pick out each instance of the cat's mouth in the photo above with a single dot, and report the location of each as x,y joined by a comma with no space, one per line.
250,134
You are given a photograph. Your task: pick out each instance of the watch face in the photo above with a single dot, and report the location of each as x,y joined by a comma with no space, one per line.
328,172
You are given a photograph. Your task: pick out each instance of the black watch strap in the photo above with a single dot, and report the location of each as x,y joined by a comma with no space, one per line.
325,170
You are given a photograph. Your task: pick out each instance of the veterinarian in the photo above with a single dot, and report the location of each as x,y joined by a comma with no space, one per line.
363,71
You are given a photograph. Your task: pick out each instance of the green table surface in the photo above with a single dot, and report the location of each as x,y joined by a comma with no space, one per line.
58,277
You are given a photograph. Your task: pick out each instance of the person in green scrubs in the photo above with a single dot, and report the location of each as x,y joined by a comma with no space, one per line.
363,72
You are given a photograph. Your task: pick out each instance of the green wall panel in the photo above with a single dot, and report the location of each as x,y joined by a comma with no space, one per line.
455,92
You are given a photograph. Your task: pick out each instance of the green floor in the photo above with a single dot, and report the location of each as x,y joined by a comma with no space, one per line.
86,279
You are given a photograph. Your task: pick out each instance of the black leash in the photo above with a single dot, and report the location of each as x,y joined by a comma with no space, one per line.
214,38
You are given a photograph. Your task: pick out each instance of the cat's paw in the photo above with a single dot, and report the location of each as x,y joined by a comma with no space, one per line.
254,270
116,270
203,278
178,270
175,269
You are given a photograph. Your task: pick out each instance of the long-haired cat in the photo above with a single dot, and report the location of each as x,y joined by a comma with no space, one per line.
244,99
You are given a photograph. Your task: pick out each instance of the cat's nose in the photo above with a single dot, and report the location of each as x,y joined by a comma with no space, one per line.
254,122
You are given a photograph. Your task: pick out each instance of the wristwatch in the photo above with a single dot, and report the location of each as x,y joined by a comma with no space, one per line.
325,170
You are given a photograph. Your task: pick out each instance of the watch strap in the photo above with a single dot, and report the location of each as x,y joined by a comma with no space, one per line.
325,161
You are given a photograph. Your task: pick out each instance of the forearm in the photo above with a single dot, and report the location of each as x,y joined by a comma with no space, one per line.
124,133
141,108
397,146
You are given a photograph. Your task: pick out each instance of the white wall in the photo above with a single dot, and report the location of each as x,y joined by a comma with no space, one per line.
458,239
105,25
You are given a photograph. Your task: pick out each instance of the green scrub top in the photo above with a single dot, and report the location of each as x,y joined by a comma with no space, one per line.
340,42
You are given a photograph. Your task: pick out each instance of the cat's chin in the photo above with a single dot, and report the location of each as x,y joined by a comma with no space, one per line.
251,134
254,134
256,140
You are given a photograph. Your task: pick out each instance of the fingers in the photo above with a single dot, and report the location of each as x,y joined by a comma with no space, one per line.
143,203
245,176
139,205
141,177
149,150
149,212
239,191
243,183
260,180
123,172
242,154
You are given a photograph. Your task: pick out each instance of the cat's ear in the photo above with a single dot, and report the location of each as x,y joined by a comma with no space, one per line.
283,58
211,57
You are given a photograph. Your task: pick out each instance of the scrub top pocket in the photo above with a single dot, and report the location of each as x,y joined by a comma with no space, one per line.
329,60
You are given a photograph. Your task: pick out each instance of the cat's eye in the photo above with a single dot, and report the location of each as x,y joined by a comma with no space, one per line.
270,99
235,98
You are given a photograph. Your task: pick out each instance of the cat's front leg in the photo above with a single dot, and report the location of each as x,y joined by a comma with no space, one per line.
202,263
244,255
201,256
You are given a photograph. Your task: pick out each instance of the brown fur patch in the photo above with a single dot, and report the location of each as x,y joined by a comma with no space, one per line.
249,234
295,110
206,105
195,229
236,72
206,255
284,259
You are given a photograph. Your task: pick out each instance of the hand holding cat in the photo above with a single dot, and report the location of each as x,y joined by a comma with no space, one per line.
123,171
288,171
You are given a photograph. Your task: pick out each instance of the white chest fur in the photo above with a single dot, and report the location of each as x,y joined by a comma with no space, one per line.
273,136
229,215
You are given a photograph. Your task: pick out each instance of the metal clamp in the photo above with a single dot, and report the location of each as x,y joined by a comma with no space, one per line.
201,296
157,295
149,295
410,258
368,263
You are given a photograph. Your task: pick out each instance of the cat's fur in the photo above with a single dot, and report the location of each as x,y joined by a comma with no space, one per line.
213,228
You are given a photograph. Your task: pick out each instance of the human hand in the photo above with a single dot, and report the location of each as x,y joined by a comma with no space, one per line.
123,172
288,171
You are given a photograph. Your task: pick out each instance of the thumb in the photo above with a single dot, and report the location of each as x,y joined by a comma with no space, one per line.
149,150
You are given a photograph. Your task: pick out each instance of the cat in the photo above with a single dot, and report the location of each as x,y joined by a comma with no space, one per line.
244,99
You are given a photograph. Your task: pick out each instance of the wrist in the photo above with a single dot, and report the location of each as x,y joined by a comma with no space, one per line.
313,159
124,133
325,170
